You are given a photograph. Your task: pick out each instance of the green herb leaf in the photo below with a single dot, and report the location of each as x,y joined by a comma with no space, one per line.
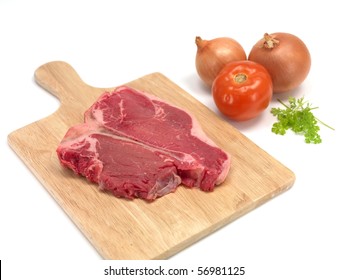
297,116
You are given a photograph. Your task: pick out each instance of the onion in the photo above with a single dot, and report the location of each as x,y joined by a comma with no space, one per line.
213,55
286,57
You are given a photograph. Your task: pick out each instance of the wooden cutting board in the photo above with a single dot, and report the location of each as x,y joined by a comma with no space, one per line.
122,229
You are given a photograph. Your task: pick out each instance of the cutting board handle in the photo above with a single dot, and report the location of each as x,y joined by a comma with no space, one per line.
61,80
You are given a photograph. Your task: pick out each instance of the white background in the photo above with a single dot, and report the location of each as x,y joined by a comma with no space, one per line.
298,235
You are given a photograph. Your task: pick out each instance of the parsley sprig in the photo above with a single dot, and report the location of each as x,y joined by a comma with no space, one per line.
298,117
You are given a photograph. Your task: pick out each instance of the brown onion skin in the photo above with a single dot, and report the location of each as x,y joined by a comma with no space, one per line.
213,55
288,62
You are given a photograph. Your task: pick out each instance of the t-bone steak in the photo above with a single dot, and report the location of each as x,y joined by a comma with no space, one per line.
135,145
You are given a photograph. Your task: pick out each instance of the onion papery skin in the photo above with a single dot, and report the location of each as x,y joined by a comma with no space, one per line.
213,55
288,60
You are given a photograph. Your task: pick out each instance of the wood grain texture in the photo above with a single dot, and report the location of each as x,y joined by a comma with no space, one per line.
122,229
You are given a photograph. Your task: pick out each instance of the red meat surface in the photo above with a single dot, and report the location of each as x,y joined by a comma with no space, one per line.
136,145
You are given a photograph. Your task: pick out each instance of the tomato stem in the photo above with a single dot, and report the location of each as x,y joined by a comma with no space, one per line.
240,78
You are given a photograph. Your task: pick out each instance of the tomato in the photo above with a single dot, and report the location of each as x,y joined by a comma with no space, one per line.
242,90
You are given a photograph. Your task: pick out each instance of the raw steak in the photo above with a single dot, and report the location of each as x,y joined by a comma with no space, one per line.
136,145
